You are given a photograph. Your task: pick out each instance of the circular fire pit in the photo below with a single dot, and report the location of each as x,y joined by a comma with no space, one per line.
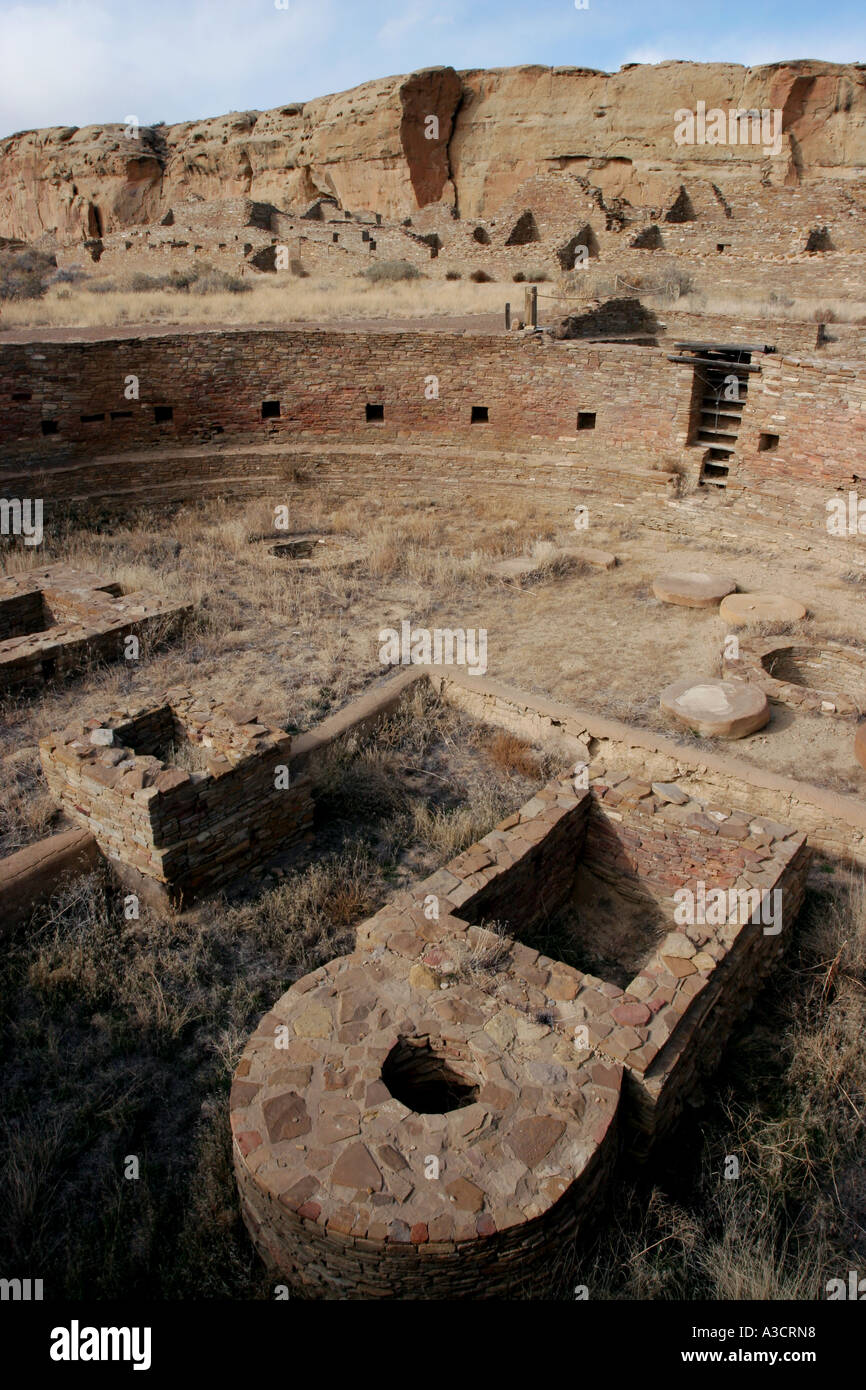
817,677
393,1141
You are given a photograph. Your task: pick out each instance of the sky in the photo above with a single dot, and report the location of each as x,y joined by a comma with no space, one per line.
92,62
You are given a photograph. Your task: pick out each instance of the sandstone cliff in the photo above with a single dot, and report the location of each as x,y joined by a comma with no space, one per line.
369,146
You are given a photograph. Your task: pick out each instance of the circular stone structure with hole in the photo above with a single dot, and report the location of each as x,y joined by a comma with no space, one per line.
397,1140
716,708
693,588
741,610
820,677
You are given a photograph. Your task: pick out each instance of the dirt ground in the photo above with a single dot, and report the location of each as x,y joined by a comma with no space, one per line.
301,637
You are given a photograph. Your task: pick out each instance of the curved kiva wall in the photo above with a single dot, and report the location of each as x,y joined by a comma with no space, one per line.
605,410
435,1114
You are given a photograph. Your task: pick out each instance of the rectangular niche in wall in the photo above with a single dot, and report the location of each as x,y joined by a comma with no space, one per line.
767,442
375,412
163,413
270,410
480,415
586,419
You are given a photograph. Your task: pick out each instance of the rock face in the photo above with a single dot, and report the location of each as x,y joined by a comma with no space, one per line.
376,147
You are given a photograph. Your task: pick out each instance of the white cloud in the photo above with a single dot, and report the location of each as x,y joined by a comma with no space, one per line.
79,62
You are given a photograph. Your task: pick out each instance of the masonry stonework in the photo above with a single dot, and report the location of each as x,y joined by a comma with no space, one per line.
474,1083
118,777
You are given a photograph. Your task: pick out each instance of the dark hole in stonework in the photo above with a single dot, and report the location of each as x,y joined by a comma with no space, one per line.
423,1081
121,414
767,441
163,413
479,415
335,236
586,419
50,427
375,412
22,396
270,410
92,419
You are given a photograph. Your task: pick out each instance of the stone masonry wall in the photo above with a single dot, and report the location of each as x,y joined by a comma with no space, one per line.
332,1164
834,823
197,388
55,619
191,831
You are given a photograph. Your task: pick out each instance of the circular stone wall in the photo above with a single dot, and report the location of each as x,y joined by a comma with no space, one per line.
823,677
716,708
399,1142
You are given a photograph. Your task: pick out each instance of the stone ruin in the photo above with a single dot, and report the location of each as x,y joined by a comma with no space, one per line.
815,676
438,1113
182,828
53,620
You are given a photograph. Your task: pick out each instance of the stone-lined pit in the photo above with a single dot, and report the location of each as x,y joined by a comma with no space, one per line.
819,676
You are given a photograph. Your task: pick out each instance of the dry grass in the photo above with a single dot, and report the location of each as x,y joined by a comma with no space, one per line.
120,1037
282,298
789,1103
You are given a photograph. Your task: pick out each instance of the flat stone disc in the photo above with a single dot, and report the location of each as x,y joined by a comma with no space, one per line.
693,588
716,708
860,744
742,609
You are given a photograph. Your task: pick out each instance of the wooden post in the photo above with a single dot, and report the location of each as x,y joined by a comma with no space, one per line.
507,317
530,306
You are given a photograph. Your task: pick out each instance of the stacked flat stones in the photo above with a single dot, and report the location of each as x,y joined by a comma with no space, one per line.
346,1189
87,618
184,829
837,674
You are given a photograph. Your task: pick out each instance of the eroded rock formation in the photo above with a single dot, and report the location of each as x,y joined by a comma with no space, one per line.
375,147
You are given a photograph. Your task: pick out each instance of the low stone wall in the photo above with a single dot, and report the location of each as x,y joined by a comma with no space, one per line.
781,666
834,823
54,620
190,830
32,874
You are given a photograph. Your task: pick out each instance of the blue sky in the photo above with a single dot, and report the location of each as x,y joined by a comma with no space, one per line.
83,62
